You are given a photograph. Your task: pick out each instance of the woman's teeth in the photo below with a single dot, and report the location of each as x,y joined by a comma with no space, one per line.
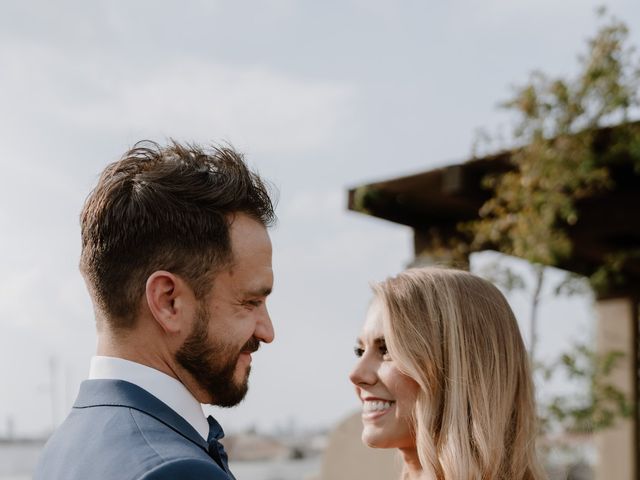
375,406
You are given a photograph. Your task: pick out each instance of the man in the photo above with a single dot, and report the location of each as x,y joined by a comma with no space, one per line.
177,260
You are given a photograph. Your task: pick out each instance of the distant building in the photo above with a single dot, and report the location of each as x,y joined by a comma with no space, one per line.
254,447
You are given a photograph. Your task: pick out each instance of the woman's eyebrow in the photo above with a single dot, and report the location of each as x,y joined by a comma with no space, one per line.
376,341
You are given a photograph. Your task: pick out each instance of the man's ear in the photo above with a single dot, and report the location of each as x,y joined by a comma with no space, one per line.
166,295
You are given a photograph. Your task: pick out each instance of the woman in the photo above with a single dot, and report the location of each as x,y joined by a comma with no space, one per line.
444,377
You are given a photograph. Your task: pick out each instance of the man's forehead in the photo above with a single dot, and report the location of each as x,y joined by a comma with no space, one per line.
254,279
245,229
245,279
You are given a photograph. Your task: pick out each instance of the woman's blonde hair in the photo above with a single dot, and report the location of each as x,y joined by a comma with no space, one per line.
456,336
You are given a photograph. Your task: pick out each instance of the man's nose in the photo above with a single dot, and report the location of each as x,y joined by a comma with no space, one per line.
264,327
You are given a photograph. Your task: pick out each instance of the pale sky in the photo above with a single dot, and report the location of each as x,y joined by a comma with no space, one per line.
320,96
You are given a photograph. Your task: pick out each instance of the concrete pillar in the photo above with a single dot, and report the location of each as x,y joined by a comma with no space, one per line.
617,330
347,458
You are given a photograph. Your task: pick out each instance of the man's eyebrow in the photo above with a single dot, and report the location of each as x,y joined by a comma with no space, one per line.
261,292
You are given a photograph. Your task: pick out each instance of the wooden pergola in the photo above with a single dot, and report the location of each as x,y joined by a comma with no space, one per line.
434,203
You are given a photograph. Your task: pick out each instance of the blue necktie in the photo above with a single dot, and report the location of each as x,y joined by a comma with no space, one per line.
216,450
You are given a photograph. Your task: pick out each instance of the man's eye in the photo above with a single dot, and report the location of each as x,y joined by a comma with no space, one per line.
254,303
358,351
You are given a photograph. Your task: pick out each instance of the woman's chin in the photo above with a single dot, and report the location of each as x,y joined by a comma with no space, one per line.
371,443
377,440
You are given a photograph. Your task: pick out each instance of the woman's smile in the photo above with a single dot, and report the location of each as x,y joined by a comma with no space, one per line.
372,409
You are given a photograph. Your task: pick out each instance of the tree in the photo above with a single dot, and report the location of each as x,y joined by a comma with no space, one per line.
557,161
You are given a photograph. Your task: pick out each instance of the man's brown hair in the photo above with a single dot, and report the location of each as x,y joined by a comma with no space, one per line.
164,208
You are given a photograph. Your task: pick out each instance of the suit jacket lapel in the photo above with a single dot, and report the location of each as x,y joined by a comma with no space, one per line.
119,393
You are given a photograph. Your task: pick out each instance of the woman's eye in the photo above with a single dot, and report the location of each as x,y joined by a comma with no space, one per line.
384,352
358,351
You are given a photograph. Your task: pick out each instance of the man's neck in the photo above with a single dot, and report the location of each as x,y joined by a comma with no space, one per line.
128,347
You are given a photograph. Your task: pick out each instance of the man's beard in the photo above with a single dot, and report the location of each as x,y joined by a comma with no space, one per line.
213,365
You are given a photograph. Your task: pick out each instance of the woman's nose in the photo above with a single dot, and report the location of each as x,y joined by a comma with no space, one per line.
363,373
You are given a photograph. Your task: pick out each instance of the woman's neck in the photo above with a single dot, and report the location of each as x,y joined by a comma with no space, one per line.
412,468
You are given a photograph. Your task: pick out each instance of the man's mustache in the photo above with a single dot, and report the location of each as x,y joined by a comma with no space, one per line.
252,345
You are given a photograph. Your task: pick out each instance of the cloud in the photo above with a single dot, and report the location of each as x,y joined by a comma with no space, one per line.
186,97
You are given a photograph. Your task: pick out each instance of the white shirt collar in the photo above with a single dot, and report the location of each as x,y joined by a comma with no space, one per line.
159,384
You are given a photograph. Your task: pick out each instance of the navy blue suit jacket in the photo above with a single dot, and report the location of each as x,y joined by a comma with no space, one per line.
117,430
